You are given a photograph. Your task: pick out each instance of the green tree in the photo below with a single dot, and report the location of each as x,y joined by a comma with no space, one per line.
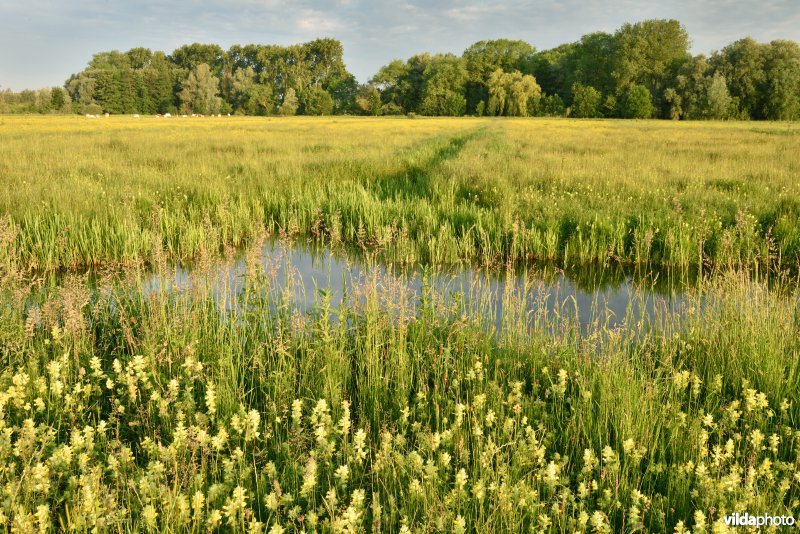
259,99
525,94
290,103
200,89
344,91
443,88
485,57
742,63
554,70
636,102
718,99
686,96
585,101
190,57
139,58
591,62
368,100
551,106
317,101
81,88
513,94
402,83
781,92
235,88
649,53
160,78
57,98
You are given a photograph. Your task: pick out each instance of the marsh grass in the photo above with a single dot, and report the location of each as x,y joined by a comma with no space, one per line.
131,402
436,191
143,407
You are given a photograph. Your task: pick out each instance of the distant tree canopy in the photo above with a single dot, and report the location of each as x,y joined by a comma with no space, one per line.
205,78
642,70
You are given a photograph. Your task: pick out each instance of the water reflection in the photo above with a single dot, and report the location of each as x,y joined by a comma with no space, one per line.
609,296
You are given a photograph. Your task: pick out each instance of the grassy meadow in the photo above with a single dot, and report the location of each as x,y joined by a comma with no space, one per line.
81,192
129,408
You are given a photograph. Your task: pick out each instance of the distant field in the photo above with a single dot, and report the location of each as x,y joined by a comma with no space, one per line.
82,191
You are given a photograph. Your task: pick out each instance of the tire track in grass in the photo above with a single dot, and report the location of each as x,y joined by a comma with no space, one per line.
414,180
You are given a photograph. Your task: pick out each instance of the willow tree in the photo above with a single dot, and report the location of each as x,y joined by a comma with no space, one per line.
513,94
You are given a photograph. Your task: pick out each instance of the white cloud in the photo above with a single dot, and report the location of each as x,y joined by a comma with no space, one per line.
311,20
468,13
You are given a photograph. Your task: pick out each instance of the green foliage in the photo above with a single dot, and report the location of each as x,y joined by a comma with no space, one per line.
403,84
585,101
259,99
443,102
368,100
143,81
762,80
290,103
92,109
57,98
686,98
718,99
650,53
742,65
513,94
636,103
343,91
190,57
235,404
235,87
28,101
392,109
782,88
552,106
443,90
485,57
200,91
317,101
394,83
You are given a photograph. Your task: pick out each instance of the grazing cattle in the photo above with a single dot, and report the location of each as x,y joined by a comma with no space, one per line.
167,115
135,115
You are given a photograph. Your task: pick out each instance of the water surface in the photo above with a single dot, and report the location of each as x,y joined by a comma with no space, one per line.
586,296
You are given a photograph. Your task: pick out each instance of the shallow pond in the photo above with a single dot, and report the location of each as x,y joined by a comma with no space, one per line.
608,296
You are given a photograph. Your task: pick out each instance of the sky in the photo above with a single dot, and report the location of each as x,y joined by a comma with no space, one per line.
42,42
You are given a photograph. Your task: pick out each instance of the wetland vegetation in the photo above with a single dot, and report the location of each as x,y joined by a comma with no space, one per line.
162,372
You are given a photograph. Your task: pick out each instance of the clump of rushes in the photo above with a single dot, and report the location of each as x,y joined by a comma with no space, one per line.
161,410
80,193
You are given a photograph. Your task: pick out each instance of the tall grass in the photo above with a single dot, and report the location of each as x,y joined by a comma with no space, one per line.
130,405
84,192
154,409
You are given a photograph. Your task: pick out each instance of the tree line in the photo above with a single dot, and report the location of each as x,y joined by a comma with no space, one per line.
642,70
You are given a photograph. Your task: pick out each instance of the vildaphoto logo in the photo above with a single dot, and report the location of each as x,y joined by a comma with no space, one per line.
765,520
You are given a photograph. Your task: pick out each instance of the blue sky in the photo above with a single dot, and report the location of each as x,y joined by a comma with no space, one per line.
43,41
